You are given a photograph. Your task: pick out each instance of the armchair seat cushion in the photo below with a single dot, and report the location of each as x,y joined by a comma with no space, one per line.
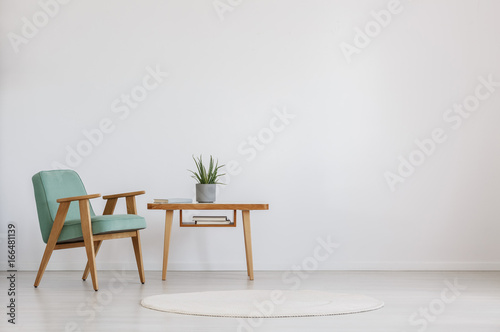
72,229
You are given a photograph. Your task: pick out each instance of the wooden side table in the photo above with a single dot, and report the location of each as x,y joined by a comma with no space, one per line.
245,209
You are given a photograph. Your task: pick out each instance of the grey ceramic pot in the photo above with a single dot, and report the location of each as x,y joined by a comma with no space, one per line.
205,193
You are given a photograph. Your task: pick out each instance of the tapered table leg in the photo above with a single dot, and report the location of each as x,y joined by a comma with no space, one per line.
248,242
166,244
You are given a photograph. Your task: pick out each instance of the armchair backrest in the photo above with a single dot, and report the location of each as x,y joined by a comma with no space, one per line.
50,186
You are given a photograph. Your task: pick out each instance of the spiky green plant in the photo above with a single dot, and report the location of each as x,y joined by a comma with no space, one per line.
204,176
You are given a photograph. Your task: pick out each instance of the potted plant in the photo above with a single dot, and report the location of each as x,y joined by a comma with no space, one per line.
207,179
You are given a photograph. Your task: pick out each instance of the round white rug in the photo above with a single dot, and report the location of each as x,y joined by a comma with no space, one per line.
262,303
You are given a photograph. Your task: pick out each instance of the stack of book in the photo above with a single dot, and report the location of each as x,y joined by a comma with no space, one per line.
172,200
211,220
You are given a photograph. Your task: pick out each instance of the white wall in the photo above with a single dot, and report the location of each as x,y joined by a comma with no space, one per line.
322,174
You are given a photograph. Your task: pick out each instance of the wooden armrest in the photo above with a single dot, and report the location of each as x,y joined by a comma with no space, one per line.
77,198
133,193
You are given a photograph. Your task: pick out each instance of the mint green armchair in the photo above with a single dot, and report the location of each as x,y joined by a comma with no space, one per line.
67,220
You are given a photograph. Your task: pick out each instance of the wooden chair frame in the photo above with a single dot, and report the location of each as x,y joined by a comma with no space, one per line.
91,242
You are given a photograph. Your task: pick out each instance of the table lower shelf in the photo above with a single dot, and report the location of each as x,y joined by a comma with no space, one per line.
209,225
181,224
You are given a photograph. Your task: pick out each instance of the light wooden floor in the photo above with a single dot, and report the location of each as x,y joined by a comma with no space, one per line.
63,302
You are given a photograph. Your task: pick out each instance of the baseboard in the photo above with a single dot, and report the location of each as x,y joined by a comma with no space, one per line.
240,266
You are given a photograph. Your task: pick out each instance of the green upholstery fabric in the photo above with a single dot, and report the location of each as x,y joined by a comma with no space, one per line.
72,229
52,185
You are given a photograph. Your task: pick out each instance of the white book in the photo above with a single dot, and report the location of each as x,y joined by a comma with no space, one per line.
210,218
208,222
172,200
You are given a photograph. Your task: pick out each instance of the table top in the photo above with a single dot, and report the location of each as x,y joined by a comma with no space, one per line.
208,206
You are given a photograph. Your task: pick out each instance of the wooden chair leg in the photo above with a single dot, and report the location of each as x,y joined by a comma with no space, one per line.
136,241
49,248
97,246
52,241
89,240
